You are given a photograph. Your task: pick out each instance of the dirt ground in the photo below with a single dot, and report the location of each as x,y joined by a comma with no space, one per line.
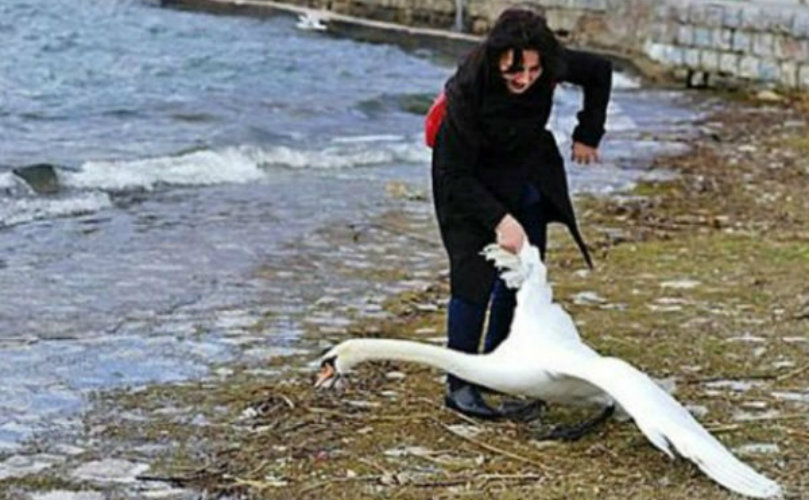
701,280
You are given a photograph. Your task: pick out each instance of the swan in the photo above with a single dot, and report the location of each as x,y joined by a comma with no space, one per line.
310,21
544,357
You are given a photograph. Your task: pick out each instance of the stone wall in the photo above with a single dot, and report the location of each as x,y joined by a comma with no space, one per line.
700,41
758,41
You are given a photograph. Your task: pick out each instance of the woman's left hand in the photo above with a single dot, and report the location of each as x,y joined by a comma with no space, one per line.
582,153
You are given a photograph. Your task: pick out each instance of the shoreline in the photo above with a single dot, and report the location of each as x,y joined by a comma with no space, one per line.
700,279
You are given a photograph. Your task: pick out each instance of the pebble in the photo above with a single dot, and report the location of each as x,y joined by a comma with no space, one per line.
67,495
111,470
757,449
680,284
588,298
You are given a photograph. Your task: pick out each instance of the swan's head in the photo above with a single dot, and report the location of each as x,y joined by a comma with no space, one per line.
335,362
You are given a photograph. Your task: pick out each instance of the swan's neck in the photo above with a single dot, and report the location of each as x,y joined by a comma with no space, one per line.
475,368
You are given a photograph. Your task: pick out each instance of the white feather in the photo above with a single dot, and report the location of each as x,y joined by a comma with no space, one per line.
547,331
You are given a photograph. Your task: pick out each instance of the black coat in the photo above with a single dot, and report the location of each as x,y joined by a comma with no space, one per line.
476,185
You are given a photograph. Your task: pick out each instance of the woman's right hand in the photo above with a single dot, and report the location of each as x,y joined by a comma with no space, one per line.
510,234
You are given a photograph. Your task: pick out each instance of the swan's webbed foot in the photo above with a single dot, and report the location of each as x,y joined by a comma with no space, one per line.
576,432
523,411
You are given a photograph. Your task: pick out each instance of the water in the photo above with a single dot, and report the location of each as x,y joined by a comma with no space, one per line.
200,160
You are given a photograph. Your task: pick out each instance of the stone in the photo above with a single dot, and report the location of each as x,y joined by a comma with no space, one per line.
703,37
748,67
800,25
732,17
763,44
110,470
692,58
741,41
41,177
68,495
769,70
685,35
803,76
729,63
709,60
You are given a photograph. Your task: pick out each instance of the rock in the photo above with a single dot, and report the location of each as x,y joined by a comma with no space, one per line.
757,449
40,177
68,495
23,465
110,470
680,284
769,96
588,298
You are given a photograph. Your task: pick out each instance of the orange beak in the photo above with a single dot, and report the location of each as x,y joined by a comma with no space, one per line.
326,373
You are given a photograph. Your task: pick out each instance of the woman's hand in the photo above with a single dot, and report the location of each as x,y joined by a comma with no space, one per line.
582,153
510,234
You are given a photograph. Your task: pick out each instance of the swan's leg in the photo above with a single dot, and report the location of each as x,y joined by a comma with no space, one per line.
573,433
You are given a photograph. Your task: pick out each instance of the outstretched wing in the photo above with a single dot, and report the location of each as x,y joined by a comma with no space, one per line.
666,423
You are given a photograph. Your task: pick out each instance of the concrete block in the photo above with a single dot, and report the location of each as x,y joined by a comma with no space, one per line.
732,17
742,42
752,18
713,16
703,37
769,70
763,44
691,58
664,32
790,48
685,35
696,13
709,60
748,67
681,11
800,25
666,12
674,55
722,38
595,5
789,74
777,20
655,51
729,63
803,76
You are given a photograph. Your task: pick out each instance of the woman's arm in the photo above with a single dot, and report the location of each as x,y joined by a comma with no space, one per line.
593,74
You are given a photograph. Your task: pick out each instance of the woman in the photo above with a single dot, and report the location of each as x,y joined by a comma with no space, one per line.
497,172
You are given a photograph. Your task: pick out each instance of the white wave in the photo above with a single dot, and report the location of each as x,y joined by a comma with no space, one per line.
18,211
346,153
242,164
354,139
625,81
230,165
6,180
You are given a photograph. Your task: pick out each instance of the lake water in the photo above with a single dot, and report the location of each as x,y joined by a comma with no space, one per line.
193,153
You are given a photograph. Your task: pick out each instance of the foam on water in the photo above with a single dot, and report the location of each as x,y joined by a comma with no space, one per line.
18,211
242,164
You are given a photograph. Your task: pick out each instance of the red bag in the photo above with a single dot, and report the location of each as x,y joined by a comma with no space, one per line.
432,122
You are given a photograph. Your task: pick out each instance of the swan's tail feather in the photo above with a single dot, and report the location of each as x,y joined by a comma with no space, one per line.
719,464
512,271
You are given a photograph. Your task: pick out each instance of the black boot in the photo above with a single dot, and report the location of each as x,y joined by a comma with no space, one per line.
466,399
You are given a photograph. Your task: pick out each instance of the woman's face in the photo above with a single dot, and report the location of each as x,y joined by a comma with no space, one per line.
521,76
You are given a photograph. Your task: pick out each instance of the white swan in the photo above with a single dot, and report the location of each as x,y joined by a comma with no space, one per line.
310,21
543,357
